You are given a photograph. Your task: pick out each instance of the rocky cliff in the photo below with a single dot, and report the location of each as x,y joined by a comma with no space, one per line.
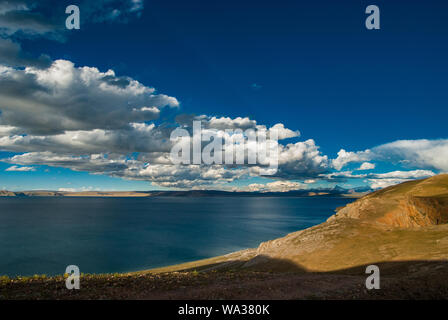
412,204
400,223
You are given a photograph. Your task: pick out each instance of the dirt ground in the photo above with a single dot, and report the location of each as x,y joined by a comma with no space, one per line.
420,281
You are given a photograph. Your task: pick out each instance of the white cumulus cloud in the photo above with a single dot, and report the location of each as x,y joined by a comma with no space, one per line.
64,97
367,166
20,169
276,186
423,153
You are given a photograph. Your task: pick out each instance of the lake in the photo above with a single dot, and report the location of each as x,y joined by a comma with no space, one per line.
43,235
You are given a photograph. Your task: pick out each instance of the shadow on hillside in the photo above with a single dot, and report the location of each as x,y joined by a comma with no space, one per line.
234,280
263,263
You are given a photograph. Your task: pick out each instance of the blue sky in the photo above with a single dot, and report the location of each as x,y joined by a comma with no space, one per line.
312,66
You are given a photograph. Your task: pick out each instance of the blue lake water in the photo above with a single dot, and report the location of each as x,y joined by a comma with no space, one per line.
104,235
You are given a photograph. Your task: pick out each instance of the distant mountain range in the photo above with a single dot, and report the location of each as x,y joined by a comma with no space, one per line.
333,192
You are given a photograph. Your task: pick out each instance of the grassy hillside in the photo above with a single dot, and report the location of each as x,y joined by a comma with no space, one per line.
410,204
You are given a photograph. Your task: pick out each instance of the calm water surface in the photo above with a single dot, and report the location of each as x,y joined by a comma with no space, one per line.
102,235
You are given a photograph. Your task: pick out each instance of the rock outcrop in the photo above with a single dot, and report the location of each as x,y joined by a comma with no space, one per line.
400,223
412,204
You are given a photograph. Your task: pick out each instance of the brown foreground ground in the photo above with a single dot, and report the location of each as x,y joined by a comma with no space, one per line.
402,229
412,280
